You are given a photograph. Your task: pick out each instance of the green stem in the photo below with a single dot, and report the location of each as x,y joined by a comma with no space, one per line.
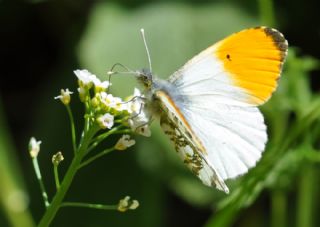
72,170
305,197
87,116
73,130
56,176
39,177
93,158
103,136
90,205
279,208
266,12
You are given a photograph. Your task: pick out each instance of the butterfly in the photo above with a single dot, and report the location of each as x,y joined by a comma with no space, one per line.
208,108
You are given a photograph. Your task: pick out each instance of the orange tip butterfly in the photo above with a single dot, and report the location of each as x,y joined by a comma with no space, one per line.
208,108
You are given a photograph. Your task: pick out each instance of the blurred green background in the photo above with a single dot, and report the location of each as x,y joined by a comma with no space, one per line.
43,41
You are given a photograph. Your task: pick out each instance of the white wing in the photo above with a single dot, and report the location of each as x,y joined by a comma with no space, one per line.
186,144
231,130
216,94
233,136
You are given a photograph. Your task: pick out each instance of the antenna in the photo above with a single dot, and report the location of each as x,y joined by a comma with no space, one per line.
146,46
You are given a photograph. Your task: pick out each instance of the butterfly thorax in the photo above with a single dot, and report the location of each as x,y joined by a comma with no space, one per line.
155,86
152,84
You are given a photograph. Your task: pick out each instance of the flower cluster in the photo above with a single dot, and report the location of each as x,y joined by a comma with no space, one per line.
107,109
104,115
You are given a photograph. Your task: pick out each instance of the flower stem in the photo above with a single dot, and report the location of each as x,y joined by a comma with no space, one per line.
67,180
73,130
98,139
87,116
93,158
108,133
306,197
90,205
279,208
39,177
56,176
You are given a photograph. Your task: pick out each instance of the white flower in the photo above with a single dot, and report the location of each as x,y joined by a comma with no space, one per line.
115,103
34,147
64,96
108,98
124,142
123,105
108,101
105,121
100,86
85,77
139,121
140,124
136,104
103,96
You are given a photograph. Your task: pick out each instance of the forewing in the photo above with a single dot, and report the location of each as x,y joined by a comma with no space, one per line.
242,69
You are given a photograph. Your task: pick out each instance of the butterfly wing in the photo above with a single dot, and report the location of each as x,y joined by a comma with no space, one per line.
186,143
216,94
243,68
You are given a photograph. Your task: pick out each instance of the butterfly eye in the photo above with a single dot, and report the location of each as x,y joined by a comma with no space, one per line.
145,77
147,81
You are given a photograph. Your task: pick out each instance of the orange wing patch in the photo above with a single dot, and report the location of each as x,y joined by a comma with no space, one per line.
254,58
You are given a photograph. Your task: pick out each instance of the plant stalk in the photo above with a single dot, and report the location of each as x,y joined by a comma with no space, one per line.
90,205
72,170
39,177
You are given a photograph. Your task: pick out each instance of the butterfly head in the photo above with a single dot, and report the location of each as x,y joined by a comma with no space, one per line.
145,77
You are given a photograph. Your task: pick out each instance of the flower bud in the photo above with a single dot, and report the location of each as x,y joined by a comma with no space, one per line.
82,94
65,96
126,203
95,102
57,158
34,147
124,142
